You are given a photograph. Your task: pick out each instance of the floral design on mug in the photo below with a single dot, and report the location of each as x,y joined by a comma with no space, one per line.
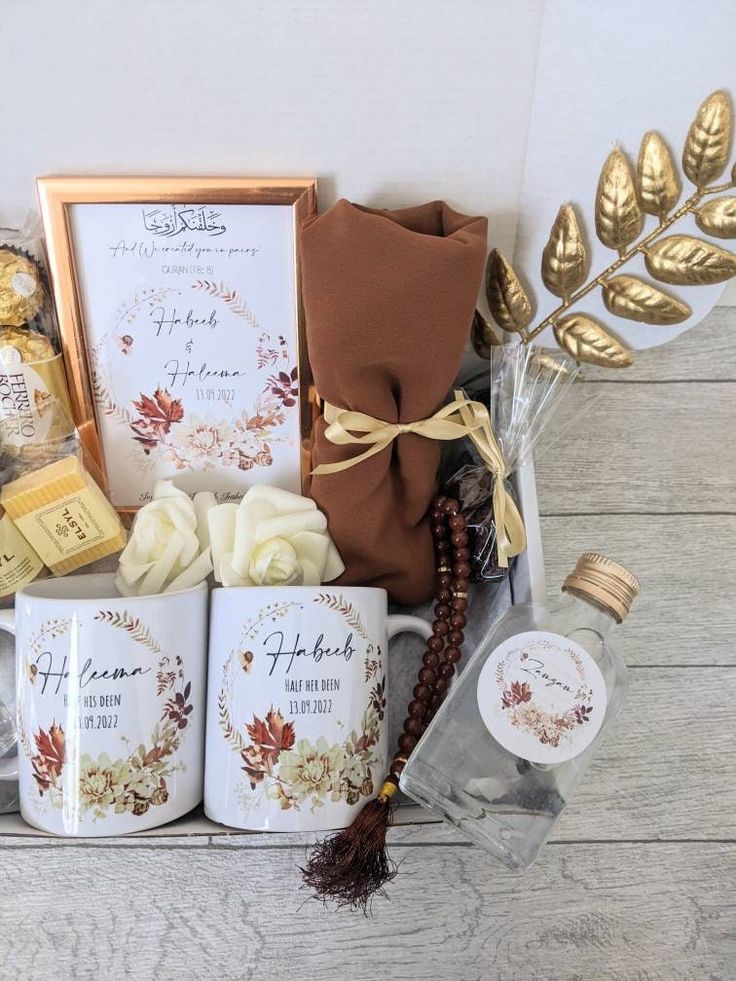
50,757
298,772
272,612
131,784
339,604
371,662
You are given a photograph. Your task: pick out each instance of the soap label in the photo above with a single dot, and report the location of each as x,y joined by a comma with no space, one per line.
64,528
34,403
19,564
542,696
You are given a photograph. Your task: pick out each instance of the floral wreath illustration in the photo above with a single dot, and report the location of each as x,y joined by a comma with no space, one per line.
159,424
524,713
130,785
300,772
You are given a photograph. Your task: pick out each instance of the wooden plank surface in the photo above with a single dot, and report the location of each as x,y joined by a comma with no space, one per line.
642,448
639,879
688,587
650,911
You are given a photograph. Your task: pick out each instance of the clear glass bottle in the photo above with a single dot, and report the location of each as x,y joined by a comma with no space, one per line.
500,759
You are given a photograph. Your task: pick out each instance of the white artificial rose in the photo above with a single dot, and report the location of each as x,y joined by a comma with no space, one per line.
275,563
272,538
168,546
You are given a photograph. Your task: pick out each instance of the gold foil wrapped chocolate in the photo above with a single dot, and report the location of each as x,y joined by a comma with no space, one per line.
21,289
30,345
34,401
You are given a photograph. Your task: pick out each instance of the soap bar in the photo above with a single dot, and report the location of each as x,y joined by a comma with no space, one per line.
19,564
64,515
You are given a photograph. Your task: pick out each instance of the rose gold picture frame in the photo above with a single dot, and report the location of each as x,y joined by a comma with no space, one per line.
58,195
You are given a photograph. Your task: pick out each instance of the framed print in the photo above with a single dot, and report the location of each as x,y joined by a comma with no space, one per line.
179,308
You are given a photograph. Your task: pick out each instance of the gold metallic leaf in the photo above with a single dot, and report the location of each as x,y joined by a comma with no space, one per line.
718,217
635,299
544,362
564,260
618,217
659,184
687,261
708,142
484,336
507,299
585,339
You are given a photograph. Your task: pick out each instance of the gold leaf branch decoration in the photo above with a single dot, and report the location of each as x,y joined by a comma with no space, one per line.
623,197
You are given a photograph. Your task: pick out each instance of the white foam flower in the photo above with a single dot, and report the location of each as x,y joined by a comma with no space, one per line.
272,538
168,546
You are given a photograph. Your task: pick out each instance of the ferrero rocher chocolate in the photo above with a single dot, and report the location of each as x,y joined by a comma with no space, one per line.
34,400
31,345
21,289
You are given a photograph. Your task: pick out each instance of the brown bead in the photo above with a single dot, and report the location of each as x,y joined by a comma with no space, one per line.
459,539
447,670
397,767
438,502
417,709
437,515
462,569
458,621
413,726
421,693
435,701
453,655
439,531
444,579
462,585
450,506
455,638
430,715
442,611
462,554
407,742
431,659
440,685
457,522
459,603
435,644
426,677
441,627
444,596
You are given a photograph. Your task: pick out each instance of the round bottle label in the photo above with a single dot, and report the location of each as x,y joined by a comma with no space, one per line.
542,697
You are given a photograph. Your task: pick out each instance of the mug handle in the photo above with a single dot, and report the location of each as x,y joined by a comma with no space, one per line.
399,623
8,764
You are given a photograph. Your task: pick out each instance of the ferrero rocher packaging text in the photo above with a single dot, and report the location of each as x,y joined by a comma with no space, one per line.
34,400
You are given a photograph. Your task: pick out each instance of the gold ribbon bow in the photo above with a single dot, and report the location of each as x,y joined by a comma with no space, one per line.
460,418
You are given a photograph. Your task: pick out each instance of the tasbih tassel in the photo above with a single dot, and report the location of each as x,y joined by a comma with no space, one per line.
351,866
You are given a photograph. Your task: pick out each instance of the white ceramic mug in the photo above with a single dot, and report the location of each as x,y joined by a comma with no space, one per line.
110,695
297,727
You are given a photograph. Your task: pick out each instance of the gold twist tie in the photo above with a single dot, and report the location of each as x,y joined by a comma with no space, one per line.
453,421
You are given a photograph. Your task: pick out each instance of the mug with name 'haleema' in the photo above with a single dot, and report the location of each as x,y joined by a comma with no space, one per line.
111,700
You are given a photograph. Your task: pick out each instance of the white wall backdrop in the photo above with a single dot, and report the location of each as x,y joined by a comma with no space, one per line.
387,103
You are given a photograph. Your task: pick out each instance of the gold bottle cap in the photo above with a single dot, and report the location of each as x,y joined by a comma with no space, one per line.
605,582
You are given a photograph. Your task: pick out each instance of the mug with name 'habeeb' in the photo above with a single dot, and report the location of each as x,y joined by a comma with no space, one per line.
297,728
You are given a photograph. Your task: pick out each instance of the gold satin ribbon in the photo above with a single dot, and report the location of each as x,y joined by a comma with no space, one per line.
454,421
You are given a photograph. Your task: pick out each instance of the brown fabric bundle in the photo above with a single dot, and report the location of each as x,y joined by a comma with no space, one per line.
389,299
